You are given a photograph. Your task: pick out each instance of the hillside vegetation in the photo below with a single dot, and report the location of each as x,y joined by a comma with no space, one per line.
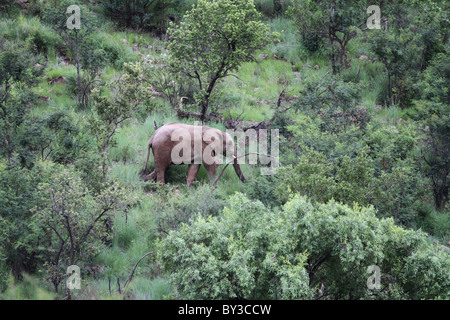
364,121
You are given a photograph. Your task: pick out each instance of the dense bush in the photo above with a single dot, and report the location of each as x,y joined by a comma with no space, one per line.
236,255
70,223
18,195
335,101
378,168
305,251
175,208
148,15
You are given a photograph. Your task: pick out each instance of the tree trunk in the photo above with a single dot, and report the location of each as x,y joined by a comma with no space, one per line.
345,55
334,66
441,194
77,63
389,98
204,109
205,102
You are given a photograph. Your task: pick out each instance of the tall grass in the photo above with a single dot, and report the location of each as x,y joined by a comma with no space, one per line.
289,47
146,289
39,37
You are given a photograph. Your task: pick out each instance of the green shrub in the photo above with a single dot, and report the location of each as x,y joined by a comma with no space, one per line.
307,251
175,207
29,288
31,33
237,255
71,222
18,195
312,42
263,188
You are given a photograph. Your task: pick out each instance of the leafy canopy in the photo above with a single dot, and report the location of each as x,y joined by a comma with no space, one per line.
214,39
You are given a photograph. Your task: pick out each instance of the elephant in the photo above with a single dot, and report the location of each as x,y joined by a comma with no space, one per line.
178,143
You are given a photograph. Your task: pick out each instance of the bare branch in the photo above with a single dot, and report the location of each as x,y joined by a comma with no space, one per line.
130,277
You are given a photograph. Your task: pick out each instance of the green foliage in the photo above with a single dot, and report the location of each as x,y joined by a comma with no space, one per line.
125,95
115,51
175,208
311,177
335,101
433,114
405,49
18,194
312,42
426,274
376,135
70,222
85,55
149,15
436,223
264,188
18,73
272,8
335,21
213,39
168,83
305,251
242,254
377,168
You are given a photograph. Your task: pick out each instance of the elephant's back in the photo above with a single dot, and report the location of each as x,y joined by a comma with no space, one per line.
164,133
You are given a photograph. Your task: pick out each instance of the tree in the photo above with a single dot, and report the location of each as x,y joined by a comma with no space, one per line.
376,166
433,115
335,102
213,39
141,14
71,222
166,81
17,74
335,20
85,56
406,50
126,93
92,61
436,153
18,194
242,254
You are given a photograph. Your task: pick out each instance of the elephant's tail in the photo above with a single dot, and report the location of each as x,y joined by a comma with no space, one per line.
148,155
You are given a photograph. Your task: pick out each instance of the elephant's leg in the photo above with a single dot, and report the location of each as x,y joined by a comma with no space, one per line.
161,167
160,175
211,170
150,176
192,172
